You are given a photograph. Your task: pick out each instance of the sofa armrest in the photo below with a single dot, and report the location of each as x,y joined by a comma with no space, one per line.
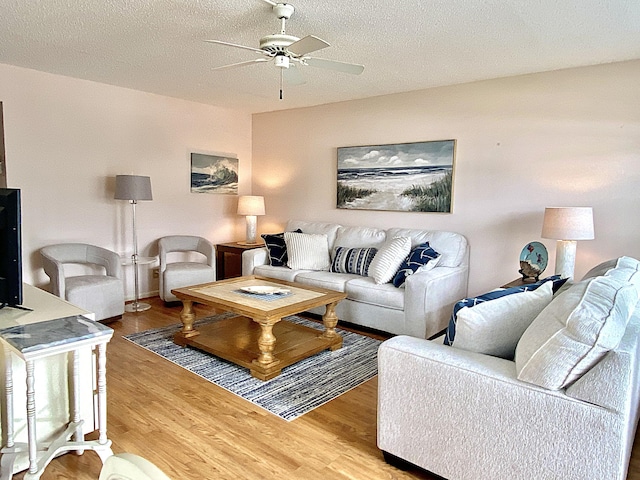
430,296
465,415
252,258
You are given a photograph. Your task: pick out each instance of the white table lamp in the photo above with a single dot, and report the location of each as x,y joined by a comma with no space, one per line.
567,225
251,206
134,188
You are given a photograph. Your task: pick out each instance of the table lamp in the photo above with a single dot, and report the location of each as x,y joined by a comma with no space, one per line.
567,225
250,206
134,188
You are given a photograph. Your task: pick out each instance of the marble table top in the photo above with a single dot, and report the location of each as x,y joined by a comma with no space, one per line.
53,333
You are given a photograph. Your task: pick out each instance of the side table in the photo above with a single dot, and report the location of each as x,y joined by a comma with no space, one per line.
229,259
38,340
518,282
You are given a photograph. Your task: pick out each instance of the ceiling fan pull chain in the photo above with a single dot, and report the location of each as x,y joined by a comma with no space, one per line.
281,84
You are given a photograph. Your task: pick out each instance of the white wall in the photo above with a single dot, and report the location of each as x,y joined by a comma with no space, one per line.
565,138
66,139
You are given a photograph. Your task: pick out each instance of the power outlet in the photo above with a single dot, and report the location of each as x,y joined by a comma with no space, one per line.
156,272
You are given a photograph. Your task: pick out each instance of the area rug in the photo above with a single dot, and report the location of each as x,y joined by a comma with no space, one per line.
297,390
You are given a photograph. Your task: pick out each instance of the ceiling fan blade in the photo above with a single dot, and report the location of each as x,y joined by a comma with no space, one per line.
273,4
219,42
308,44
293,76
351,68
241,64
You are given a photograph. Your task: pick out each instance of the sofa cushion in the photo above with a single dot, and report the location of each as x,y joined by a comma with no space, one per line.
605,267
421,258
353,260
331,281
389,258
360,237
494,327
307,251
365,290
626,269
451,246
281,273
575,331
328,229
276,248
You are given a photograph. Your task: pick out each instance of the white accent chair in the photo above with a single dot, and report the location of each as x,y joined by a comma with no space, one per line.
127,466
88,276
196,263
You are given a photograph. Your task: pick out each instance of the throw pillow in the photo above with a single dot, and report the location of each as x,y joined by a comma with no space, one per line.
494,326
386,262
307,251
450,333
353,260
276,248
575,331
421,258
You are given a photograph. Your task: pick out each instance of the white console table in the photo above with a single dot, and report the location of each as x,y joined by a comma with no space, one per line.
40,340
51,377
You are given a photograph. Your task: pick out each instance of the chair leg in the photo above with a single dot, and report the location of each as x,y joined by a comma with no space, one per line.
111,319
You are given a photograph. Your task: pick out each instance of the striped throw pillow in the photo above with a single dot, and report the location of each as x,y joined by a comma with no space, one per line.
388,259
307,251
353,260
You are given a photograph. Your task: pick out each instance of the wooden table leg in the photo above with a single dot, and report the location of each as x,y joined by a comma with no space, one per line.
266,344
187,316
330,320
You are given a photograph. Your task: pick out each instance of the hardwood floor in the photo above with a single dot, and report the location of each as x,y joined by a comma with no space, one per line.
192,429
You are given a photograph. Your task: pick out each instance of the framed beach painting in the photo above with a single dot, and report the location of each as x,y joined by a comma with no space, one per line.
407,177
214,174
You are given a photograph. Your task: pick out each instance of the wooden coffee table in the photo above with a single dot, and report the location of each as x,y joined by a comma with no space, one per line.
258,338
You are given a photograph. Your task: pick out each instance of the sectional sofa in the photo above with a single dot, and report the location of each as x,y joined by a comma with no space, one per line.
421,307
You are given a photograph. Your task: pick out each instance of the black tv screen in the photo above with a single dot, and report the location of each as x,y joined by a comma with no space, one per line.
10,248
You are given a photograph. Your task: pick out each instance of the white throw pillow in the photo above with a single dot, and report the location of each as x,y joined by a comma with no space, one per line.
495,327
575,331
388,259
307,251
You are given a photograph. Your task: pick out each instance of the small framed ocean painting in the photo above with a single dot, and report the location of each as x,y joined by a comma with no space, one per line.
214,174
407,177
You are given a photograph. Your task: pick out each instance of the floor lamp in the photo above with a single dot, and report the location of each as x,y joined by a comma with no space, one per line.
567,225
134,188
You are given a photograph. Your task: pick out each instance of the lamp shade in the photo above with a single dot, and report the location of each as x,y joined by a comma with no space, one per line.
568,223
250,205
133,187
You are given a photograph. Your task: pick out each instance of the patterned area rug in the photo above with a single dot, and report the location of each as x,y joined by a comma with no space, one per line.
297,390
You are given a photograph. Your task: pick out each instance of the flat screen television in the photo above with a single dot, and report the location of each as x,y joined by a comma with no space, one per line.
10,248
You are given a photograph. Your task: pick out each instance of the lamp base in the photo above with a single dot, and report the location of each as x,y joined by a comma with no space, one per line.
136,307
565,258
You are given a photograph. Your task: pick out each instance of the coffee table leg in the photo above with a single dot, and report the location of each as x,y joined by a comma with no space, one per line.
266,344
330,320
187,316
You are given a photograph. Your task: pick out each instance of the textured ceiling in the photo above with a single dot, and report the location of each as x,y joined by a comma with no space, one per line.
157,45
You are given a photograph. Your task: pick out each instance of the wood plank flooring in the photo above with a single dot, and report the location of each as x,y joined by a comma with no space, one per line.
192,429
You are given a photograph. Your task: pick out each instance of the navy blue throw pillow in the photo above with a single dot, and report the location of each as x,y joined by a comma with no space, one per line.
450,334
277,248
420,256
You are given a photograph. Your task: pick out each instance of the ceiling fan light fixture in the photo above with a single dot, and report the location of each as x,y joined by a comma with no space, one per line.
282,61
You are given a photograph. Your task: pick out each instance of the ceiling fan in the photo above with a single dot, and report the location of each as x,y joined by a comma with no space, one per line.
288,52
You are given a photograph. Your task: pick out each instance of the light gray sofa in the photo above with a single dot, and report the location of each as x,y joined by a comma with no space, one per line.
466,415
421,308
